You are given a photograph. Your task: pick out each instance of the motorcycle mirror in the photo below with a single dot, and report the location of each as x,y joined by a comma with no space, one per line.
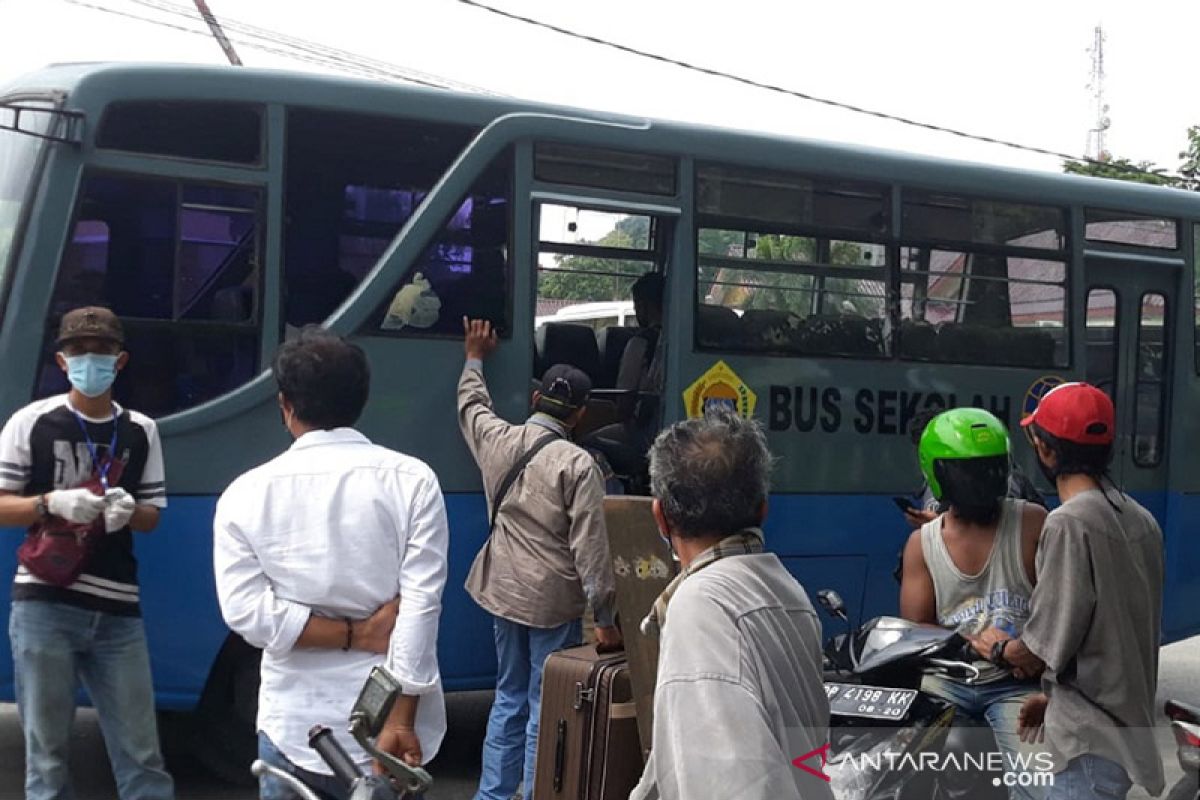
833,604
375,701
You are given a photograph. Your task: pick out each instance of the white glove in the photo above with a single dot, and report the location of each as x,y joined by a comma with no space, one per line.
75,505
119,508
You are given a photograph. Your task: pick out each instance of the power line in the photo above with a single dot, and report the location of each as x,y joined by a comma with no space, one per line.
287,47
320,50
770,87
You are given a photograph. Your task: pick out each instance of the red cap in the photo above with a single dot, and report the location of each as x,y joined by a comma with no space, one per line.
1075,412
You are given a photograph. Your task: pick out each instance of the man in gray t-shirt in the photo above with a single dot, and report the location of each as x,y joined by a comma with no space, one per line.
1095,614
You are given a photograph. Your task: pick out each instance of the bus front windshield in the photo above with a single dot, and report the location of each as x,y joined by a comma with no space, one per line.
18,159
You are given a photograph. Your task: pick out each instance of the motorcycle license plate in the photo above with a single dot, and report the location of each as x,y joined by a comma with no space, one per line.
871,702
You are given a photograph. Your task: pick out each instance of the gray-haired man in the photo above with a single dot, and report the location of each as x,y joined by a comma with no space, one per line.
739,694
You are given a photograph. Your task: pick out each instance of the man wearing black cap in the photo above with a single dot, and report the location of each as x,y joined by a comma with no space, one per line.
79,463
547,556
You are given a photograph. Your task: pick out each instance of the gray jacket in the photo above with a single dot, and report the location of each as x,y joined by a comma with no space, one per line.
547,558
739,693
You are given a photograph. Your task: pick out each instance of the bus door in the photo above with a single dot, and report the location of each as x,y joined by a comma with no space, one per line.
1129,311
590,250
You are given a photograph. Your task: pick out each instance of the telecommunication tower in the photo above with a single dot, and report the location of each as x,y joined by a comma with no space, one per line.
1096,148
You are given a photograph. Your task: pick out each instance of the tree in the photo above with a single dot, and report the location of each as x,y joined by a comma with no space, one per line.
1121,169
576,278
1190,168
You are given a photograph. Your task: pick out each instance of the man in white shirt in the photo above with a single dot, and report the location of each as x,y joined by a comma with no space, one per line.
310,551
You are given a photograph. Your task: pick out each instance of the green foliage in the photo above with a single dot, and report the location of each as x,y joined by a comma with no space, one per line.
1190,168
571,279
1121,169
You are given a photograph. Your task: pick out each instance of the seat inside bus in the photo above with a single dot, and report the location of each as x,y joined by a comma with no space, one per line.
612,341
567,343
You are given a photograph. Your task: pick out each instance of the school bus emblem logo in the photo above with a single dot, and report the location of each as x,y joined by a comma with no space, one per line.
720,386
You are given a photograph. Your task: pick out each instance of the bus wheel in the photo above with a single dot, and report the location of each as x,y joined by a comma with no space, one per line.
224,739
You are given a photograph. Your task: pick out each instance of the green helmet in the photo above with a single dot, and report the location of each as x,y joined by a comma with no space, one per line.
959,434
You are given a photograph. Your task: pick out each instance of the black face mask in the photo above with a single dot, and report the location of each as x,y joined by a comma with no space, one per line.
974,487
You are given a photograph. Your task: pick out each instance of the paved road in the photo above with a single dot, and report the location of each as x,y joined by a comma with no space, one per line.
456,768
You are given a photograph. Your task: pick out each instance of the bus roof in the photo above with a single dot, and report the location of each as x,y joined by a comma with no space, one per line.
91,86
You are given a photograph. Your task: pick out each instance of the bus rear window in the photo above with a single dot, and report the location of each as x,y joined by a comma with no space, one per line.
228,132
1136,230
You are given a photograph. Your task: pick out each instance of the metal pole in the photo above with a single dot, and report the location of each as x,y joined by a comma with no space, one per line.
217,33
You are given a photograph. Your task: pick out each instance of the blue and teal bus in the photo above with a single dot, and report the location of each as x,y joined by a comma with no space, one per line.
833,292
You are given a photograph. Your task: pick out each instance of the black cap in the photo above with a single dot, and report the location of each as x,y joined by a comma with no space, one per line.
91,322
565,385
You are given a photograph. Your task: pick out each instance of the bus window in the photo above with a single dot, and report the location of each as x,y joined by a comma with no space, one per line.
463,273
587,263
1137,230
1195,291
791,294
766,199
982,308
1102,344
179,262
1150,409
352,183
229,132
951,218
573,165
18,159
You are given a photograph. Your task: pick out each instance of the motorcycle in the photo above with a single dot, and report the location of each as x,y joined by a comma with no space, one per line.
1185,724
370,711
884,730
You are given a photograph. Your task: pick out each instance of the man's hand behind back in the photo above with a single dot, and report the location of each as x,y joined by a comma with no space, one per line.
481,340
374,634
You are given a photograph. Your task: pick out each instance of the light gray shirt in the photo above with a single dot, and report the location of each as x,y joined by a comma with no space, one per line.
739,693
1095,620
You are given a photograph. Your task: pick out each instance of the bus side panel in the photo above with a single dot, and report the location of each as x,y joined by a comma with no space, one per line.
1181,596
850,543
183,620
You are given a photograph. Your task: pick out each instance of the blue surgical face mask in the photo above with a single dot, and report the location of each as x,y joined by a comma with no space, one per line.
91,373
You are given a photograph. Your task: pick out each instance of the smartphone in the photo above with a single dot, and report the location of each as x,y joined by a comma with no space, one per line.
905,504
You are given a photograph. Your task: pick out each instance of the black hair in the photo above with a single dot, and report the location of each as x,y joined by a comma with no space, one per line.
324,377
1074,458
974,487
649,289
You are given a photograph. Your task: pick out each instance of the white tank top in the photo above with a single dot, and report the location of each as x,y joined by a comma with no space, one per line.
998,595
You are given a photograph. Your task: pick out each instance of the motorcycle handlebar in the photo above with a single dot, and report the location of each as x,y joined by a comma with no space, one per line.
332,753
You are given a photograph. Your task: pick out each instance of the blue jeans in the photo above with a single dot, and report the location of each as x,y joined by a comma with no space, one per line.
1091,777
55,648
999,704
510,748
271,788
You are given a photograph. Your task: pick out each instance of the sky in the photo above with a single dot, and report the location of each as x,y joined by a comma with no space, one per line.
1016,71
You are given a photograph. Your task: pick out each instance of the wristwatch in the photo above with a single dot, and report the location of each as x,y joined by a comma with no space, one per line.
42,507
998,653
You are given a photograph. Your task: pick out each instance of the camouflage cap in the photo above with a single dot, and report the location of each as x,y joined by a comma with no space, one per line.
91,322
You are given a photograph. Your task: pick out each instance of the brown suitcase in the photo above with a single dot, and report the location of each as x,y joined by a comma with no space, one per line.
587,736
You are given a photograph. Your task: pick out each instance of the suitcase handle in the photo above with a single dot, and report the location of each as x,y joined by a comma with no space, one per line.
560,755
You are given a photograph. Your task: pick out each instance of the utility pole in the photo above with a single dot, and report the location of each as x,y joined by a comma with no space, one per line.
217,33
1096,148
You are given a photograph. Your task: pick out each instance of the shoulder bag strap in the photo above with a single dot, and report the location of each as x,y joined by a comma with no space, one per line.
516,470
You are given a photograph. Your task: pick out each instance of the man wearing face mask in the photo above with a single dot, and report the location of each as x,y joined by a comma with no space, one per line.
88,630
972,567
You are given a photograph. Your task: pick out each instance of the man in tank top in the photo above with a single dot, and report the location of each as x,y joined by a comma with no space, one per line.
972,569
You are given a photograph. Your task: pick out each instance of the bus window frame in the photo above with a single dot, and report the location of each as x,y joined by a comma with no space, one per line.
55,102
1163,383
261,110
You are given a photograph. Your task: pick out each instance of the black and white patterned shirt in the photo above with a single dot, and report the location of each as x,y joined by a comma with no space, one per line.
43,448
